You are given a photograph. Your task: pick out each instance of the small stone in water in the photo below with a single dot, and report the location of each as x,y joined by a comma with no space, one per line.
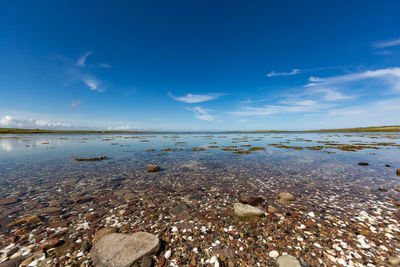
363,163
152,168
167,254
273,254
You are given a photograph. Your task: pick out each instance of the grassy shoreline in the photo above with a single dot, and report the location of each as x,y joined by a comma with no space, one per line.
354,130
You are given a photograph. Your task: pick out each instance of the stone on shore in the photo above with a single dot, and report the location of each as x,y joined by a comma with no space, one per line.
152,168
287,261
121,250
245,210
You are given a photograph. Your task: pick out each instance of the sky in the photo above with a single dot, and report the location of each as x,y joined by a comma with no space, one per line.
199,65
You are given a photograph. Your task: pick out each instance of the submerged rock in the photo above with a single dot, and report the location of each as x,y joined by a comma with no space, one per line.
152,168
251,200
285,198
50,243
7,201
363,163
287,261
180,208
15,262
121,250
91,159
245,210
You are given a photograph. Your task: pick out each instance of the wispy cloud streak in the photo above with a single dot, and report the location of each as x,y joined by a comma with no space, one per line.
390,76
92,83
194,98
385,44
82,59
75,104
274,73
202,114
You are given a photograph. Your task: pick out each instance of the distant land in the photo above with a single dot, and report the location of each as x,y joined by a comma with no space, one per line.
395,128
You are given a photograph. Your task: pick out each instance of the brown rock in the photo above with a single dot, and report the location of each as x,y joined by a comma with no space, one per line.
272,209
152,168
285,198
50,243
363,163
251,200
398,172
12,262
51,211
309,223
26,262
66,247
83,200
161,262
7,201
28,219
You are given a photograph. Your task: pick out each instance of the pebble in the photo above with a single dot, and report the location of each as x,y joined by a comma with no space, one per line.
168,254
273,253
152,168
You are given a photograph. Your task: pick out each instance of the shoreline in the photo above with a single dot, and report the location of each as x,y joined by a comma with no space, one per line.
380,129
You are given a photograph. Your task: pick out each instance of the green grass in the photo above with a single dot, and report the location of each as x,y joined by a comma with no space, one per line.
353,130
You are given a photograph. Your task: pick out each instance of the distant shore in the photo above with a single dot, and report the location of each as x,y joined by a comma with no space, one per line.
41,131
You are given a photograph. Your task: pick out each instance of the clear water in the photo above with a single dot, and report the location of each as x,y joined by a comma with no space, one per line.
41,172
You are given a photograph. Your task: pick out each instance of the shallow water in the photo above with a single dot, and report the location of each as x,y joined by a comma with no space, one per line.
41,172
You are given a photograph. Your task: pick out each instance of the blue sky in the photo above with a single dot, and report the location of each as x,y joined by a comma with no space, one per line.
199,65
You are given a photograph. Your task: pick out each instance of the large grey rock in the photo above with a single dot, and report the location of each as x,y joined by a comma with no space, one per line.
121,250
245,210
287,261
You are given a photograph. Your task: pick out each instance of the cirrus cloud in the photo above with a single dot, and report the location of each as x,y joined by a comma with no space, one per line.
195,98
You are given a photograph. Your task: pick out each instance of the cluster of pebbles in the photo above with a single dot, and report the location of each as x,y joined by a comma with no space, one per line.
203,209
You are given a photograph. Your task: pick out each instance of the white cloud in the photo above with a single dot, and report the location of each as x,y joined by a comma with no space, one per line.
11,122
104,65
389,76
82,59
75,104
274,73
123,128
193,98
202,114
385,44
329,94
92,82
